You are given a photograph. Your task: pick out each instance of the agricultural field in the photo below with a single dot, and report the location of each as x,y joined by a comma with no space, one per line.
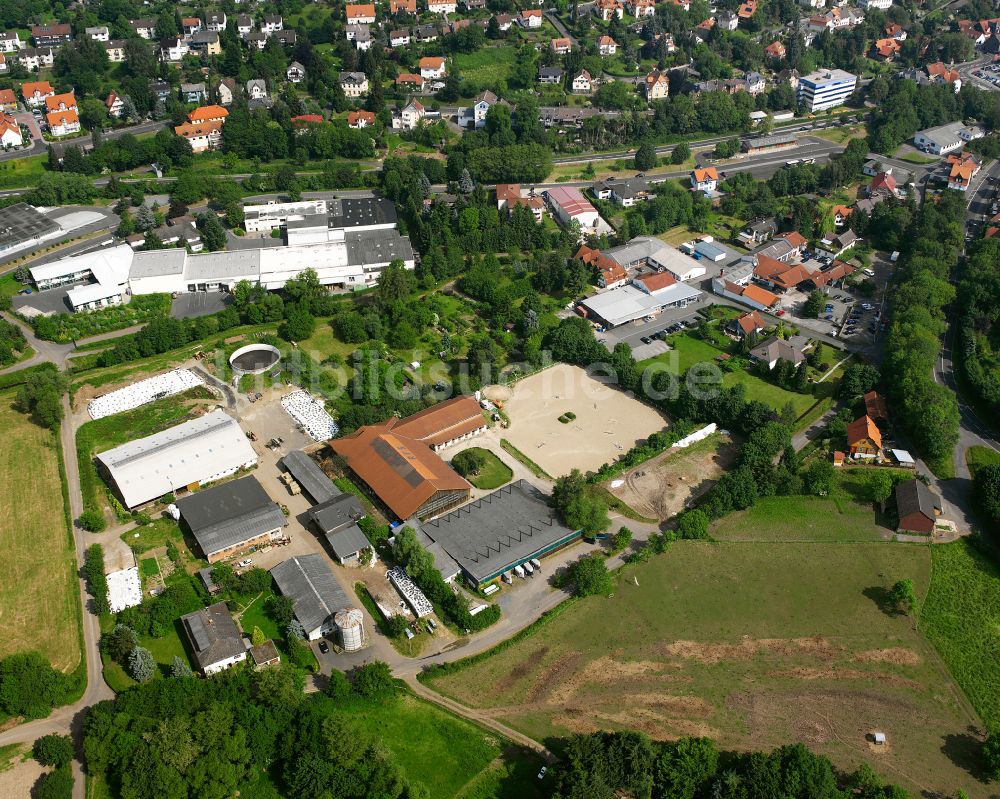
607,422
661,487
845,514
754,645
39,594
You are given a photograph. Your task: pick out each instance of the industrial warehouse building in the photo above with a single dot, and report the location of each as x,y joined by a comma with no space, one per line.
647,295
23,226
182,457
358,214
315,593
345,259
504,529
398,459
231,518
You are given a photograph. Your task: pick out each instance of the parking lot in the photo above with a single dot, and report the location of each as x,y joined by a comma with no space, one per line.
643,333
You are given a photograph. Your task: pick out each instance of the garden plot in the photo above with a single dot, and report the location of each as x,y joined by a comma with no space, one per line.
601,423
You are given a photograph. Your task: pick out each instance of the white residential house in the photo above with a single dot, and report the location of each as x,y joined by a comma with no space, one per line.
442,6
399,38
257,89
607,46
296,73
474,117
244,24
10,132
433,68
705,180
114,104
531,18
144,28
727,21
63,123
173,49
363,37
10,41
881,5
582,82
409,117
272,24
215,21
98,34
226,91
641,8
354,84
115,48
813,3
255,40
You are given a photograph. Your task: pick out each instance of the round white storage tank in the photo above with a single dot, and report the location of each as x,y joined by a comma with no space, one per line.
351,625
174,511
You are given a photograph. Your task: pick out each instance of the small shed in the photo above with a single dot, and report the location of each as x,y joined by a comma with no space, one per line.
264,655
878,738
347,544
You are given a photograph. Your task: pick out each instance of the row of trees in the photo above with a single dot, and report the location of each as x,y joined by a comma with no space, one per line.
605,765
926,410
979,296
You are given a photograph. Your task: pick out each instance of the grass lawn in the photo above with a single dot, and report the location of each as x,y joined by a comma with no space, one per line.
843,515
754,645
961,617
103,434
981,456
689,350
39,599
486,65
493,474
154,535
22,172
256,615
447,754
917,158
148,567
163,650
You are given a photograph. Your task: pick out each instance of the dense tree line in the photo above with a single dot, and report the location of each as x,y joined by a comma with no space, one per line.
93,572
12,342
241,731
979,331
30,687
605,765
926,410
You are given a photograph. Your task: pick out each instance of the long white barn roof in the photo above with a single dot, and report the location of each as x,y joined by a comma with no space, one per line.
189,453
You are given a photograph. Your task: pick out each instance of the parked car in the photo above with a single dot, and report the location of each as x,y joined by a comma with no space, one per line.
645,339
542,772
244,563
324,647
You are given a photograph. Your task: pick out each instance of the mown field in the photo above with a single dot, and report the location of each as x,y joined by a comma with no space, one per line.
449,756
961,617
752,644
845,514
39,599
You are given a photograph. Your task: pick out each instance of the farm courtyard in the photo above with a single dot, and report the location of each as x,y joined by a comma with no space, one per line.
607,423
753,645
39,600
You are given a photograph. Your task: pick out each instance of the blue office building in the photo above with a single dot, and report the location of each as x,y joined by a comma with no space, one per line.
825,88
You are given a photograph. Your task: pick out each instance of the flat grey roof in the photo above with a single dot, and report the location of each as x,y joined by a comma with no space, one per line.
315,593
348,541
230,514
377,247
22,222
157,263
226,264
304,469
361,211
499,531
336,513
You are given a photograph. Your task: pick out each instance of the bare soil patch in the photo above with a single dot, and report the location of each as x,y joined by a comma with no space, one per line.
665,485
608,422
804,673
897,656
750,647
